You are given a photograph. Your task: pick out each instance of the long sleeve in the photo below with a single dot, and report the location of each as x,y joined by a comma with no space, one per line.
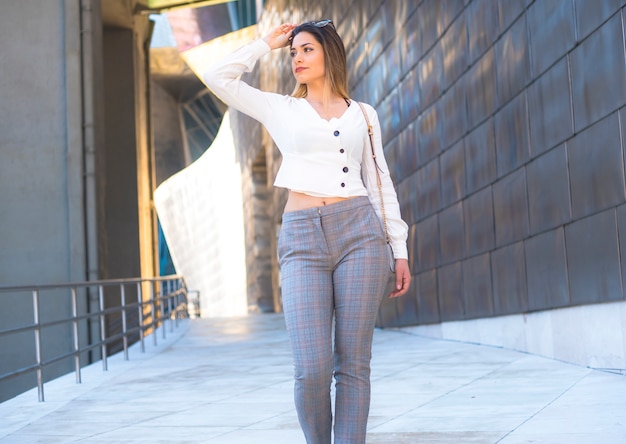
223,78
397,228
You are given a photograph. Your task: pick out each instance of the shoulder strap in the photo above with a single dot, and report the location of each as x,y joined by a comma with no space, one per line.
370,133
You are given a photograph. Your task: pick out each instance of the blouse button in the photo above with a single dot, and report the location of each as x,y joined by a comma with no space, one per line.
342,151
345,169
336,133
343,185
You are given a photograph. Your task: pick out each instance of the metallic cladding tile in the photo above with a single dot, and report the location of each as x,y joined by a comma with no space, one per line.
394,110
621,234
450,292
348,26
359,91
428,200
599,74
449,11
389,116
430,71
512,62
417,137
427,14
548,190
358,64
428,243
482,27
512,137
410,43
477,289
409,98
407,162
393,65
375,35
480,157
396,13
546,271
454,46
392,155
452,170
622,119
508,267
407,308
387,313
451,234
510,203
589,15
427,301
376,88
481,91
551,32
417,213
550,109
454,109
479,224
593,259
509,11
596,168
388,13
430,134
404,10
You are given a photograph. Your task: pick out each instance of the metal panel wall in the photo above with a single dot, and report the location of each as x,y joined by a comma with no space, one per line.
504,125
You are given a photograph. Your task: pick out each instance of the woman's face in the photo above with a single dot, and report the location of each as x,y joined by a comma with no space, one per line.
307,58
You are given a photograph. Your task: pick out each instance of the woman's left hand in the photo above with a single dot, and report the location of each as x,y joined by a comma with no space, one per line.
279,36
403,278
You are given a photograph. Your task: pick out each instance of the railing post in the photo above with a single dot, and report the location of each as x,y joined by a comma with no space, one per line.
153,313
140,307
75,332
162,299
103,344
124,333
171,311
38,345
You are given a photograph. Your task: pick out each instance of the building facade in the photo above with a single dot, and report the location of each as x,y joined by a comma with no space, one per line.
504,127
77,169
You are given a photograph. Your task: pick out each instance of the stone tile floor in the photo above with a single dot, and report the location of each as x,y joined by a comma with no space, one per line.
229,381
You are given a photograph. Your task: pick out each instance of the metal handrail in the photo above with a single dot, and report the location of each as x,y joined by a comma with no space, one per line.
167,300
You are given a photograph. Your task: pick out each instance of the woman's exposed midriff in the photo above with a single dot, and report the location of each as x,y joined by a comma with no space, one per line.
299,201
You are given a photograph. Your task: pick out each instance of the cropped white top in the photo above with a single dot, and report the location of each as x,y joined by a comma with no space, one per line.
324,158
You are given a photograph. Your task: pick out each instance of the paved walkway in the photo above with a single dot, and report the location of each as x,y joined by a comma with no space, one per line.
229,381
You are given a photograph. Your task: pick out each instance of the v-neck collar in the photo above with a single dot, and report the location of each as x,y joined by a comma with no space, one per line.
332,118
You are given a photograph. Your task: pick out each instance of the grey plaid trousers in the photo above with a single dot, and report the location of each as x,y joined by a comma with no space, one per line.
333,261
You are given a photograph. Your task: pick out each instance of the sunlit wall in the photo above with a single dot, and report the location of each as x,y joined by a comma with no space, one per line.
503,123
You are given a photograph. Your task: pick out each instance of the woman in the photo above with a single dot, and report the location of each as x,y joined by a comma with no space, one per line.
332,252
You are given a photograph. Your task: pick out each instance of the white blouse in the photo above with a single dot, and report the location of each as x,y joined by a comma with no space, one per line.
324,158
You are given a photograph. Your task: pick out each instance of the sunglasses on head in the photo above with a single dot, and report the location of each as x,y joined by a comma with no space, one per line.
322,23
318,24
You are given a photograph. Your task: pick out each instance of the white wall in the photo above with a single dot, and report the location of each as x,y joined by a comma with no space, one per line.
201,212
589,335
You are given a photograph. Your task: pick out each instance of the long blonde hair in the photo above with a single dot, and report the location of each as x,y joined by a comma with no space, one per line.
335,66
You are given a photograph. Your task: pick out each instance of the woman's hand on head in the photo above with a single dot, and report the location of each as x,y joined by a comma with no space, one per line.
403,278
279,36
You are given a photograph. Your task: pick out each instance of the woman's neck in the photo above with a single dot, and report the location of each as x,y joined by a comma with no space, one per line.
317,97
